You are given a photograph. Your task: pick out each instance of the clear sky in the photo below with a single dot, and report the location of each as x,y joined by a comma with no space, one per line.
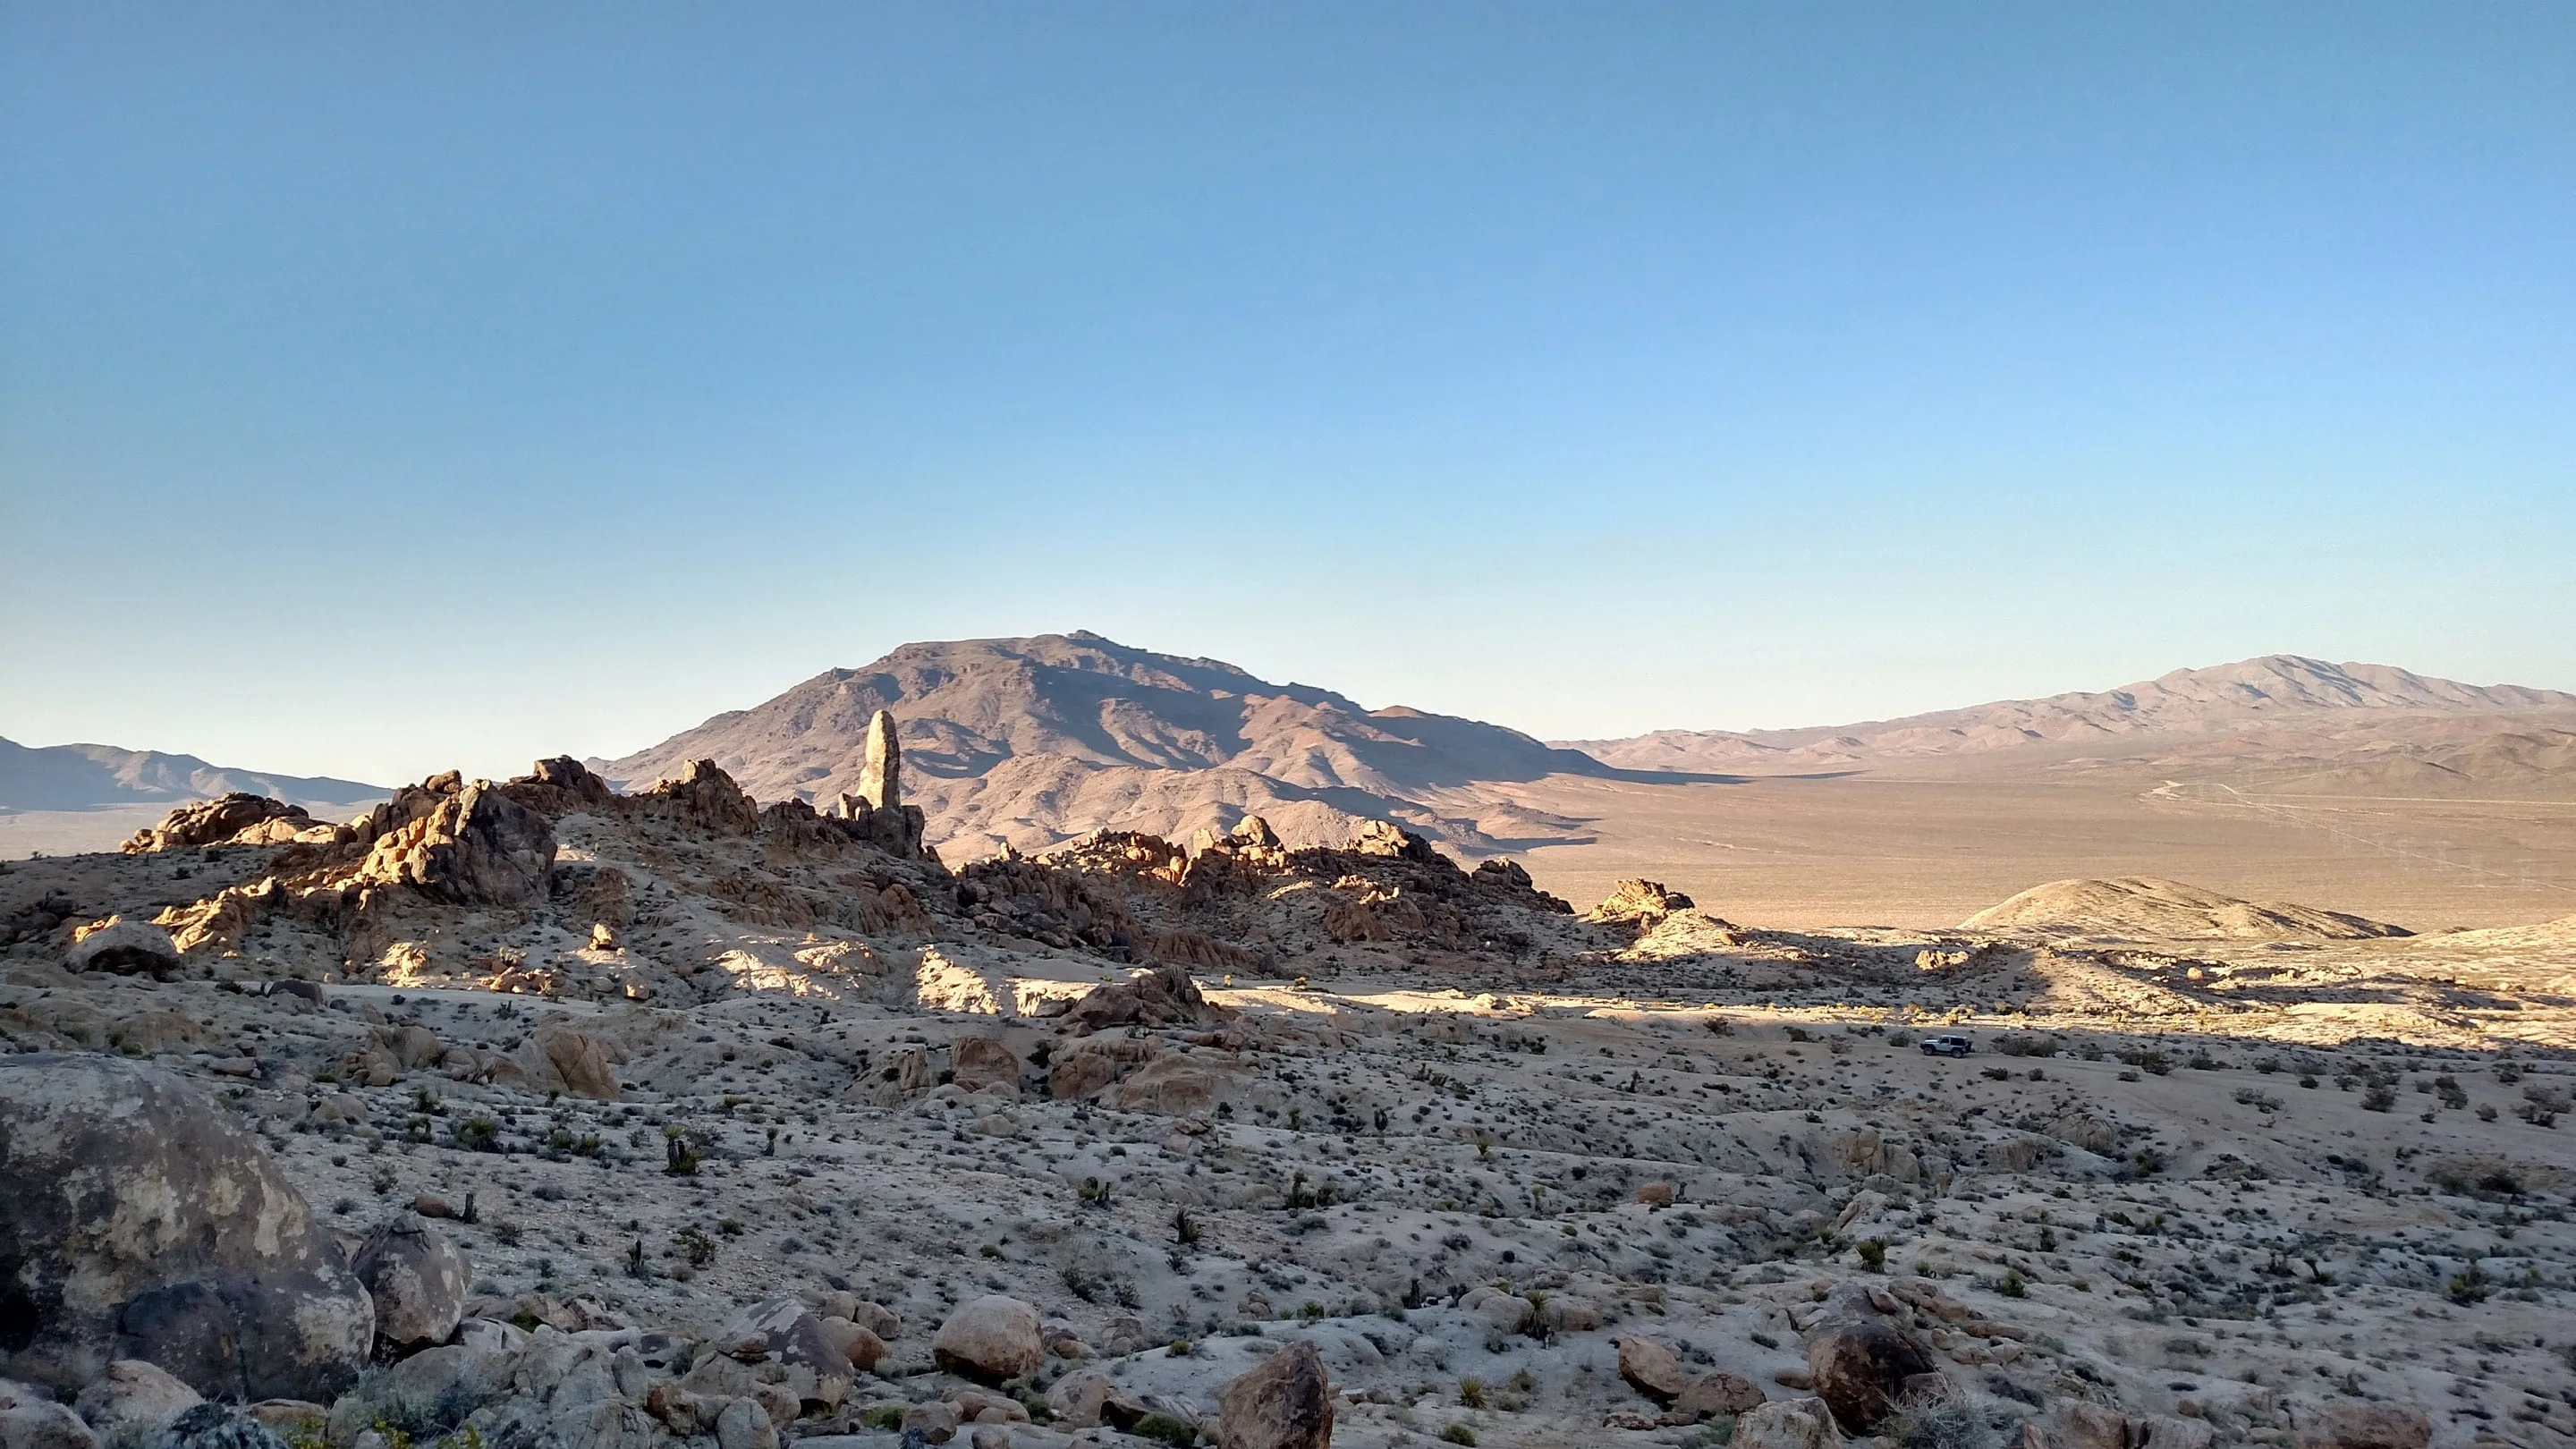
390,387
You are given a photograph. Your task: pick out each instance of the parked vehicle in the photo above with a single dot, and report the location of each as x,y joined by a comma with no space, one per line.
1947,1046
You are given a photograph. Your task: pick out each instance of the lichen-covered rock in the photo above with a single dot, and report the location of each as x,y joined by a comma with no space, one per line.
142,1223
130,1402
418,1280
1286,1403
122,947
991,1339
792,1337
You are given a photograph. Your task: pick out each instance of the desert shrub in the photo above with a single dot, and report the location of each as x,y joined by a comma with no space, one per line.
2378,1099
1166,1429
1944,1423
1471,1393
2470,1285
1458,1434
2027,1044
883,1416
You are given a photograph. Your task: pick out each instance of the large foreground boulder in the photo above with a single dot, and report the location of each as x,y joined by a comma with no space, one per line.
141,1223
991,1338
1286,1403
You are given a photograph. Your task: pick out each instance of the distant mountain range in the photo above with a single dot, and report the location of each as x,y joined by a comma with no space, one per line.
1032,741
2275,690
96,777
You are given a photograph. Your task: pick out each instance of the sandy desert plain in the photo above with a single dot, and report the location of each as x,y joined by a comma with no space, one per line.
656,1113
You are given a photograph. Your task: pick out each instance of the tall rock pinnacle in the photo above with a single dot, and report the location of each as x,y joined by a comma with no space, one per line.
881,779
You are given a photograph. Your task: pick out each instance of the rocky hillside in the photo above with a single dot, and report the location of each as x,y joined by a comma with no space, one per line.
2269,691
1029,742
92,777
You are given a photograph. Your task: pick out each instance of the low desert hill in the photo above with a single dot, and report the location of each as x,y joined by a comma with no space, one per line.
2145,908
1028,742
2456,732
100,777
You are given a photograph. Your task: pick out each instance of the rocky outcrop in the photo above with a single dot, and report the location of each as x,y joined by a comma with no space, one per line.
418,1280
557,1058
990,1339
881,777
981,1064
702,796
1638,904
562,786
123,948
144,1224
1286,1403
31,1419
239,818
476,847
1164,996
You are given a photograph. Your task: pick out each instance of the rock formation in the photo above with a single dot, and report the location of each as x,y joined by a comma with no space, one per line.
239,818
142,1223
1286,1403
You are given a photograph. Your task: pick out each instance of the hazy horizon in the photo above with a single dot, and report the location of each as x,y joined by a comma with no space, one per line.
382,391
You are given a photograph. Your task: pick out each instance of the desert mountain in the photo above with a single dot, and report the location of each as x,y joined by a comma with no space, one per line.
2339,703
93,777
1033,741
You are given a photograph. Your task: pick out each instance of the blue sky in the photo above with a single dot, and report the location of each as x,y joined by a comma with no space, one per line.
384,388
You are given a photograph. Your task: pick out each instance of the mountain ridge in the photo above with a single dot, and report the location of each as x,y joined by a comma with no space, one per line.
2180,702
1029,741
92,777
